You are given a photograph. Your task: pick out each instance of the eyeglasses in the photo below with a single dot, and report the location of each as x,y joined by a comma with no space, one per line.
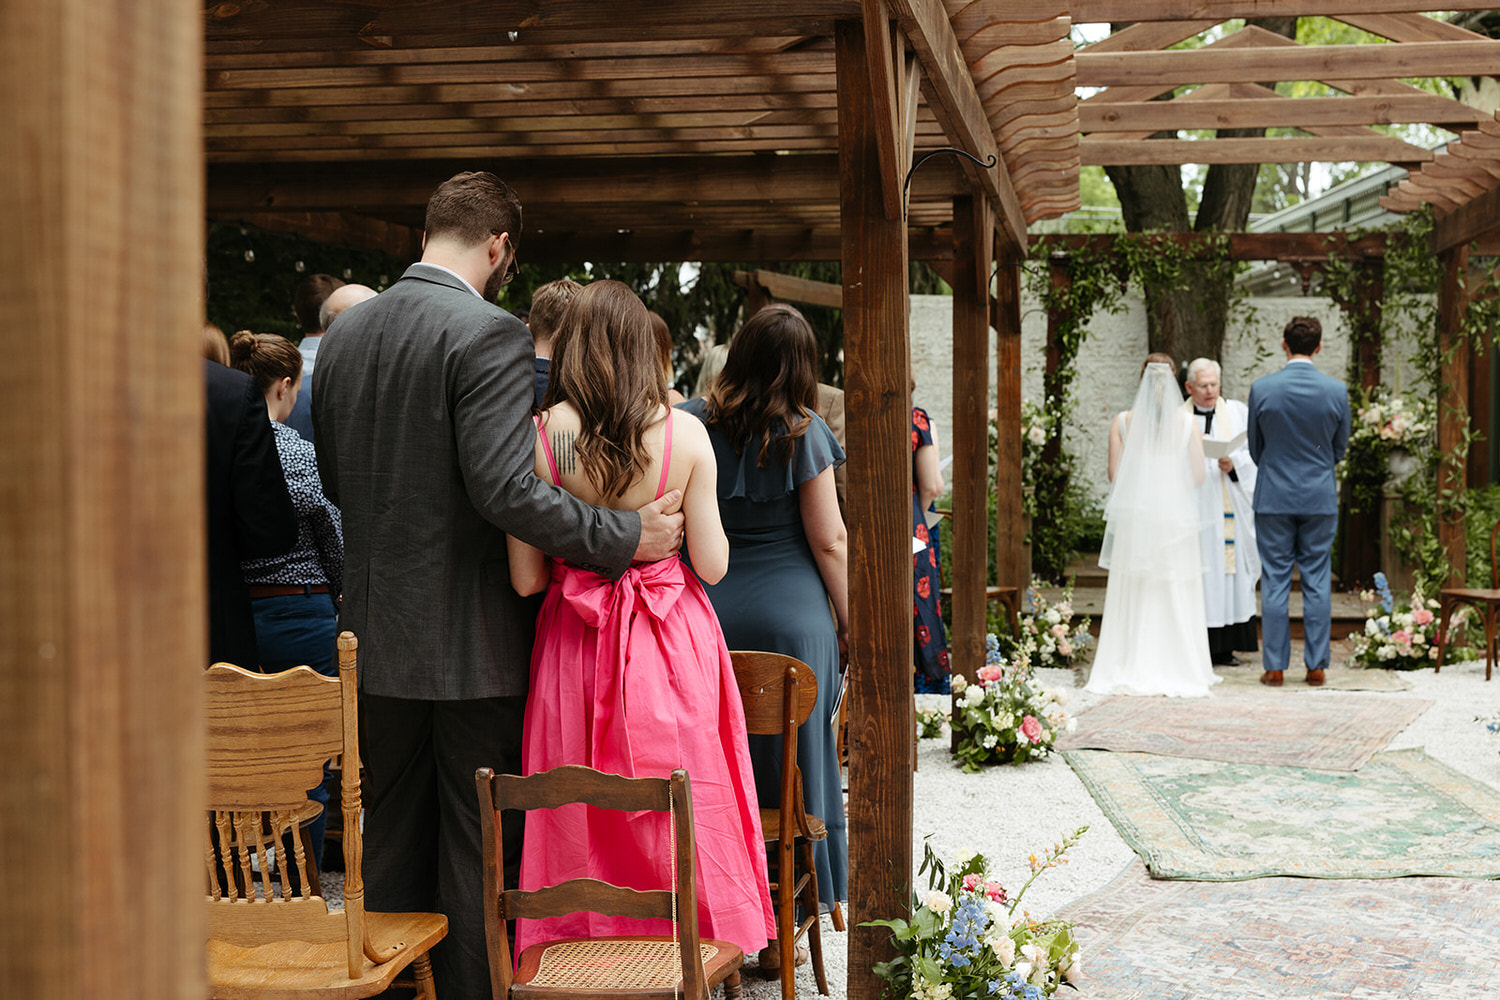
514,267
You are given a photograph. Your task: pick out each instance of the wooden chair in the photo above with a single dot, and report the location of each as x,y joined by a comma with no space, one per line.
779,692
1486,602
268,736
618,968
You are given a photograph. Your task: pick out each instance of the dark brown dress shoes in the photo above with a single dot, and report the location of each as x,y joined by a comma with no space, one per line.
1271,678
1315,678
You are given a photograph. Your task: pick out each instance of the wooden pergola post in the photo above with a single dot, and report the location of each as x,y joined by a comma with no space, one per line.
1453,417
1010,521
877,387
1360,558
973,237
102,562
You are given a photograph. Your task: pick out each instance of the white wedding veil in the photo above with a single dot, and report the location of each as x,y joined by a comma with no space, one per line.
1154,514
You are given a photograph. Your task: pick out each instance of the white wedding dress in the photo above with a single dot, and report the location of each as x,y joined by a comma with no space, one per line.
1153,639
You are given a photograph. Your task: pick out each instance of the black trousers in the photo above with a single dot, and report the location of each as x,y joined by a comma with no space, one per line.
422,840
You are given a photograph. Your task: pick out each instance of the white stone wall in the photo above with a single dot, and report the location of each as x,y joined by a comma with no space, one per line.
1109,362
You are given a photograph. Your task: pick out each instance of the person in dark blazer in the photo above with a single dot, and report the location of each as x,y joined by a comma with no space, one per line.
250,513
422,401
1298,427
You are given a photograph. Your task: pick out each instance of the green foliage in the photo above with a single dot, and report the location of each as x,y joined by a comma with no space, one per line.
1483,513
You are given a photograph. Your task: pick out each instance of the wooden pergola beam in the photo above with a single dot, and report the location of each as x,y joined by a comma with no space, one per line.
1299,62
1278,112
375,23
1472,220
1409,27
955,102
1116,11
378,187
800,291
1320,150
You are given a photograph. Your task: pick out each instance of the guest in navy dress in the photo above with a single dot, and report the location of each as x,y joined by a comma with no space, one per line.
930,639
787,588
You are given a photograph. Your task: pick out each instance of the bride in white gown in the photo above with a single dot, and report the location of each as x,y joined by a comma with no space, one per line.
1153,639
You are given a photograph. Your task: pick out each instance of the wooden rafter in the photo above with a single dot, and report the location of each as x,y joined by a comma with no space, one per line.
1408,27
1350,62
1320,150
1271,112
1116,11
951,95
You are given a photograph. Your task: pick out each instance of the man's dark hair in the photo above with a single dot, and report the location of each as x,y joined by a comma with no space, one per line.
308,299
470,206
1303,334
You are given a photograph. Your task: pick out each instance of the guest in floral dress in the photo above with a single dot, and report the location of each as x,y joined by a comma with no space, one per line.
931,639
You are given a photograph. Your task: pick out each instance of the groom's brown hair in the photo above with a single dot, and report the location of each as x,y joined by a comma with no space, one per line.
1303,334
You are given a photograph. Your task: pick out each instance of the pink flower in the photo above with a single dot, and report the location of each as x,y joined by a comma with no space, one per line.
1401,637
972,882
1032,728
1059,630
990,673
1064,648
1421,616
995,891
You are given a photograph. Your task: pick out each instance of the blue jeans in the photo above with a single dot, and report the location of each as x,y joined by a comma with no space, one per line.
293,631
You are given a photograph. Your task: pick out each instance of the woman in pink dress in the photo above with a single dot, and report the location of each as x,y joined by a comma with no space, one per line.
632,676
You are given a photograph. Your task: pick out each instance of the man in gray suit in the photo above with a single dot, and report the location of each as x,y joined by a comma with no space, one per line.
1298,426
422,401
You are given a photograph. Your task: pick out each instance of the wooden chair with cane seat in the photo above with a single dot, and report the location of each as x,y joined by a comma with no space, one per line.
268,738
779,693
605,968
1486,602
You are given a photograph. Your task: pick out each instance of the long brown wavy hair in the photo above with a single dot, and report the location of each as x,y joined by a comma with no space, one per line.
605,363
768,390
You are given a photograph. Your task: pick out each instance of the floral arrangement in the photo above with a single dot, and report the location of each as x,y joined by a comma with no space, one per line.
930,722
1050,628
964,939
1397,638
1005,716
1381,423
1037,425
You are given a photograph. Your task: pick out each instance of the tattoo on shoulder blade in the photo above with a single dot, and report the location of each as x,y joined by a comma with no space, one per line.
562,448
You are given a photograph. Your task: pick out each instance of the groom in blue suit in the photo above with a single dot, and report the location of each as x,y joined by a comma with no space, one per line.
1298,427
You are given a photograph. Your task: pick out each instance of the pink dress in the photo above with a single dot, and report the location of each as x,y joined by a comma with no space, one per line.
632,676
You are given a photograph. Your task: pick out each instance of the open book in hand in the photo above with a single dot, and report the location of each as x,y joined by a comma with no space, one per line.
1221,449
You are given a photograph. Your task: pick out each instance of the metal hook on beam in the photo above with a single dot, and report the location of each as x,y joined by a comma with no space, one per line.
929,154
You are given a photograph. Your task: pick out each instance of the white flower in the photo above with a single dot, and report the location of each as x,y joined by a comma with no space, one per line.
1003,947
989,741
1072,724
1051,617
973,695
1033,953
1072,970
1023,969
937,902
1060,695
1036,435
1372,627
958,684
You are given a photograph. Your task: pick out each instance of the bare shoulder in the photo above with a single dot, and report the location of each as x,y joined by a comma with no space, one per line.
690,435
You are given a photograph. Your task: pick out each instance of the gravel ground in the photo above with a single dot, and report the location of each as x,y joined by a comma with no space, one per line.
1009,812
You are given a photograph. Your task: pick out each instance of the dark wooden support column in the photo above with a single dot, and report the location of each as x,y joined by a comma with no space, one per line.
1052,477
1010,526
877,387
973,229
1360,551
102,564
1479,407
1453,418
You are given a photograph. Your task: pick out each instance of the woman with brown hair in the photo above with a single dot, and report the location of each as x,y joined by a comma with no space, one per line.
292,596
788,549
632,676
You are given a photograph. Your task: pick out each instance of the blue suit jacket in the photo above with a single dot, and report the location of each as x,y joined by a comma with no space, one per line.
1297,429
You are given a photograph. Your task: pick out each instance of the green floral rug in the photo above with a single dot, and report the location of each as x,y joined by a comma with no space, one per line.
1404,813
1429,938
1336,732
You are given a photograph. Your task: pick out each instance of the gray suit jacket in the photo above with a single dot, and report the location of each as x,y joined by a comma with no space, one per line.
422,402
1298,427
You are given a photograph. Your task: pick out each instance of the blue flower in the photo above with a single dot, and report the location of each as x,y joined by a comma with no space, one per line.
1383,588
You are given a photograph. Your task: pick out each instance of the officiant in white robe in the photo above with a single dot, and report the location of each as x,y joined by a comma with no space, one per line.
1232,565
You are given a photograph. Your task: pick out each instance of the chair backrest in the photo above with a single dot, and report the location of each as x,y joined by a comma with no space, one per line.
563,786
268,738
778,692
1494,567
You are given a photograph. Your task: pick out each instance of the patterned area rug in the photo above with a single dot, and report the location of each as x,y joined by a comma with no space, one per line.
1335,732
1403,814
1336,679
1431,938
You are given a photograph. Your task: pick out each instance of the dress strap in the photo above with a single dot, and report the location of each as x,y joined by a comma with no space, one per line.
547,450
666,457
